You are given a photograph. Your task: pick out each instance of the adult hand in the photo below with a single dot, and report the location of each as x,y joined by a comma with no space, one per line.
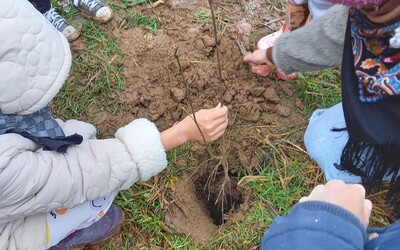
259,62
212,123
348,196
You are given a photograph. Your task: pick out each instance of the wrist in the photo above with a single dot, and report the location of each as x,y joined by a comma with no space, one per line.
180,132
184,128
268,53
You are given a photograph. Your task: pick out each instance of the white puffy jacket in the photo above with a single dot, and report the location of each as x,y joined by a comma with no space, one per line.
34,63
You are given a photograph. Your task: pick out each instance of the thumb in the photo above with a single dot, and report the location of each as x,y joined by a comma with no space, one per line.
247,56
367,211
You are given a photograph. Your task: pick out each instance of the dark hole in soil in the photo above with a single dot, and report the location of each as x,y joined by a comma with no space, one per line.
216,202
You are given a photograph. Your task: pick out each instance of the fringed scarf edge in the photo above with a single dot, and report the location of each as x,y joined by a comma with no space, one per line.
374,162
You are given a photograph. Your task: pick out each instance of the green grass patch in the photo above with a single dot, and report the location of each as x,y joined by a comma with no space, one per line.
143,210
318,90
95,76
276,5
141,20
205,18
126,4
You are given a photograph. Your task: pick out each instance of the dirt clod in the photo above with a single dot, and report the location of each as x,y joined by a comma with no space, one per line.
271,95
178,94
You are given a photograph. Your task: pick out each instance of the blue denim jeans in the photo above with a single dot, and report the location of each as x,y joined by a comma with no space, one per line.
324,145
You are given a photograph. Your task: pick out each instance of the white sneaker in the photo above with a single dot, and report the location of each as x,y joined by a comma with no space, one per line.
61,25
94,9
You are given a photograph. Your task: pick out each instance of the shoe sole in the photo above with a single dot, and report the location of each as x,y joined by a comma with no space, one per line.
116,231
97,19
74,36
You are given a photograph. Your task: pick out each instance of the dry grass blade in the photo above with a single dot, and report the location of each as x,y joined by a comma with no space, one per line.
251,178
284,159
271,209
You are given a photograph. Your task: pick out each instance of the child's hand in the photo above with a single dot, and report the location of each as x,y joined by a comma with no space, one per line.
348,196
212,123
259,62
257,57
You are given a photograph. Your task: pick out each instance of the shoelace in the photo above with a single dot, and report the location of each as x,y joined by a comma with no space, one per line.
56,19
90,4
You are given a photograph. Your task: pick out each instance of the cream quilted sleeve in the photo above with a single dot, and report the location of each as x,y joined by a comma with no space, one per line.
35,181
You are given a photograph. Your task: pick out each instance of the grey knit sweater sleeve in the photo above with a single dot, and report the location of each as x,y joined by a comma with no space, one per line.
317,46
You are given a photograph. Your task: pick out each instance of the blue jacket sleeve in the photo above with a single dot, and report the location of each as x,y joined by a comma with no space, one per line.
315,225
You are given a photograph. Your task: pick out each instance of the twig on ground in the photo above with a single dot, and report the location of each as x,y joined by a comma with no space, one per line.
273,21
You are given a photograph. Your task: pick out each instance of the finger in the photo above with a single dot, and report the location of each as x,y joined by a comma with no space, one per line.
218,122
220,127
214,120
252,64
247,56
255,69
317,190
335,182
218,113
318,187
360,188
367,211
218,131
262,70
217,135
303,199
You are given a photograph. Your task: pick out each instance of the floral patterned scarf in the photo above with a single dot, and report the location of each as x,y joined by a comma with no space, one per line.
376,63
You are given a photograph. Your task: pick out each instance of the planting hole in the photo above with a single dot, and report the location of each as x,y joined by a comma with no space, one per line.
218,198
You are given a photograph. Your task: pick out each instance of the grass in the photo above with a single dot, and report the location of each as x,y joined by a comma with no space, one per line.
318,90
204,18
277,5
131,3
95,75
140,20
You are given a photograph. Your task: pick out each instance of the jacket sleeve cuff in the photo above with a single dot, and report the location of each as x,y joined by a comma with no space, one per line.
143,141
316,225
331,209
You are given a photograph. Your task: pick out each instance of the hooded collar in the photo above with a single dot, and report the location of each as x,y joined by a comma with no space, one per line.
35,59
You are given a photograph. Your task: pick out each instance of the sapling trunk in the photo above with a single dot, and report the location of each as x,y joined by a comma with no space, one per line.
222,159
226,183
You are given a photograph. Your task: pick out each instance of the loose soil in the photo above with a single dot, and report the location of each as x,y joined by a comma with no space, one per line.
154,89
